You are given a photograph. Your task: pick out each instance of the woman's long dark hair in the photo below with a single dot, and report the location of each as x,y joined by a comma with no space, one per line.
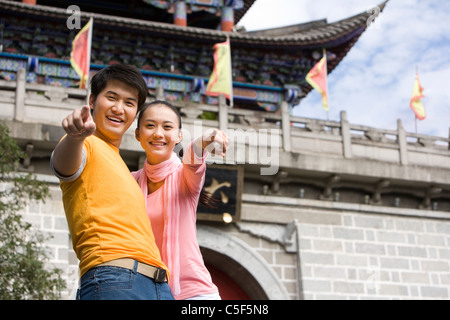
206,198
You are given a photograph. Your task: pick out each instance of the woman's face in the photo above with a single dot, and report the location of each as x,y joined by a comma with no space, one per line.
158,133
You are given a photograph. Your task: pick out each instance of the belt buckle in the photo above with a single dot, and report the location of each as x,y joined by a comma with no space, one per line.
160,275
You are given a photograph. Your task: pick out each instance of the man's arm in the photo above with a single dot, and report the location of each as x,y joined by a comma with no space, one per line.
68,154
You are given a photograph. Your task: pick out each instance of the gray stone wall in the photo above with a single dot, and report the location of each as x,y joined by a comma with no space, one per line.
323,253
360,252
365,256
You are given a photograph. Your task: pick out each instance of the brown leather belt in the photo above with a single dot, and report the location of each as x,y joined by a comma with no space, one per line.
155,273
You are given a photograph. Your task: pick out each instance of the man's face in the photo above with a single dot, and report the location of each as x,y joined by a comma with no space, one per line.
115,109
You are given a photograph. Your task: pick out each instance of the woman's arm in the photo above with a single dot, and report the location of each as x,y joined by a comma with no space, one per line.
213,141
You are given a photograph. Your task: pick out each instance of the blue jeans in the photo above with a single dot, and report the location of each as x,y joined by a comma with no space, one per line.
114,283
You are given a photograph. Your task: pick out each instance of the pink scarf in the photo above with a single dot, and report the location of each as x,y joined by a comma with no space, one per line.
171,249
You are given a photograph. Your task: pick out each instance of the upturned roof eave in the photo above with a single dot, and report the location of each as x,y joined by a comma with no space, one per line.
312,37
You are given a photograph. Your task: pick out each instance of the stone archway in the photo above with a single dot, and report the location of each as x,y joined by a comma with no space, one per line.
231,254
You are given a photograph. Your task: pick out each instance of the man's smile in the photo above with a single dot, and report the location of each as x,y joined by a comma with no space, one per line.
115,119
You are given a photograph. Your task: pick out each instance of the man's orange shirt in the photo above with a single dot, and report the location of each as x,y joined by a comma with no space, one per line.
106,212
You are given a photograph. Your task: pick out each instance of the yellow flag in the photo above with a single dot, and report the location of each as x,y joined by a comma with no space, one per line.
416,100
317,78
221,81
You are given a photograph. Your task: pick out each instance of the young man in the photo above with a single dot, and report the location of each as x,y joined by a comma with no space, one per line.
104,206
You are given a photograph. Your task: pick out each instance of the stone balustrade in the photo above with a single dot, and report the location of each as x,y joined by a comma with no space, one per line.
32,103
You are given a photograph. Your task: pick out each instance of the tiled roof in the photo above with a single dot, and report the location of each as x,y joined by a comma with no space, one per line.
318,33
240,13
311,33
277,57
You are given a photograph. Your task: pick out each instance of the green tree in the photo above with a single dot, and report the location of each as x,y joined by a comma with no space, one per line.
23,274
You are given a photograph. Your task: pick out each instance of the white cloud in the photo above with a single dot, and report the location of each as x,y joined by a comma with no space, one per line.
374,81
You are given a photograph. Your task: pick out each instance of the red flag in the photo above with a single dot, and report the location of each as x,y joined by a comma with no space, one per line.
317,78
80,57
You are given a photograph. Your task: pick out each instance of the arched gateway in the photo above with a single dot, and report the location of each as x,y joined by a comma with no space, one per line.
238,271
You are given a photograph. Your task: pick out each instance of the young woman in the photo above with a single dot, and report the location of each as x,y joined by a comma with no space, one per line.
172,190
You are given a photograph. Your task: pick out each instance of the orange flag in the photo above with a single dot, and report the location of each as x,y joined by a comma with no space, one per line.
317,78
80,57
416,100
221,81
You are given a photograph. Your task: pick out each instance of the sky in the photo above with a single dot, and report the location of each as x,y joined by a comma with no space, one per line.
374,82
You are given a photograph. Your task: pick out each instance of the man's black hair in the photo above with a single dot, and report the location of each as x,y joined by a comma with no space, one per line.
125,73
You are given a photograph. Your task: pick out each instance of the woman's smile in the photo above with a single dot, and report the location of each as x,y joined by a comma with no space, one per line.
158,144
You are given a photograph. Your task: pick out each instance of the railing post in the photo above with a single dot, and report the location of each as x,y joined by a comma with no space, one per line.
346,136
160,93
286,126
403,148
449,138
19,110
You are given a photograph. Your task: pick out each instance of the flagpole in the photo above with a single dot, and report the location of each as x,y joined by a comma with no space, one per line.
88,87
415,116
326,83
231,75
